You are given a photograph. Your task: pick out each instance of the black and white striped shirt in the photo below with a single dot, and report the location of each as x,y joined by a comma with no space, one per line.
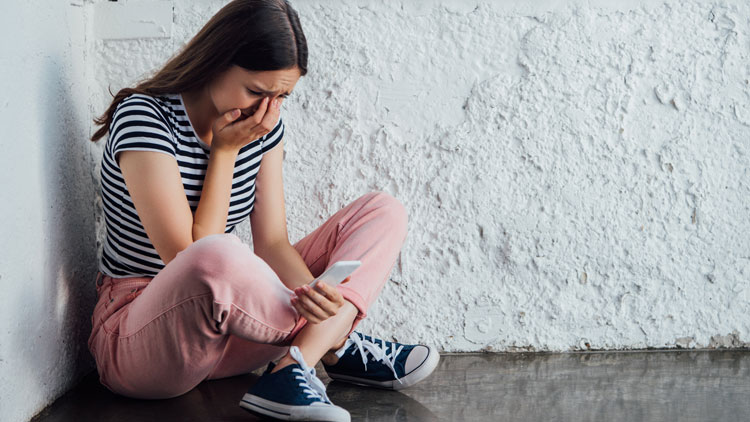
160,123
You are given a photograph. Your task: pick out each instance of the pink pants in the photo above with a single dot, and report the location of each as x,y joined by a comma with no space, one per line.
218,310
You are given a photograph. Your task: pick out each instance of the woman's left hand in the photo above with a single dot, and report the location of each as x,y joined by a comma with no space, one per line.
319,303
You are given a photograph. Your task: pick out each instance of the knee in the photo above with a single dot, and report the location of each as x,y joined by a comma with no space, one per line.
224,263
215,256
391,210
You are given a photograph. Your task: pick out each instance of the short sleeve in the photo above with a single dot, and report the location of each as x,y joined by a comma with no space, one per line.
272,138
139,125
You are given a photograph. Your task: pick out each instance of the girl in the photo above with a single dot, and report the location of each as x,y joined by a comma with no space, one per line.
190,153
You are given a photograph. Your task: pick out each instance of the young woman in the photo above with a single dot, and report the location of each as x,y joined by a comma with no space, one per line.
190,153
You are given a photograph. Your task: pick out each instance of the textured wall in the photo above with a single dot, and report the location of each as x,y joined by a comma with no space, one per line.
48,237
576,177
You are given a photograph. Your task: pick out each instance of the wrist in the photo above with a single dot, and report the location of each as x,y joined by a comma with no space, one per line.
222,152
286,262
298,283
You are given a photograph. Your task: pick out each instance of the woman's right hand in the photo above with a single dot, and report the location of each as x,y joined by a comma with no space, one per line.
231,134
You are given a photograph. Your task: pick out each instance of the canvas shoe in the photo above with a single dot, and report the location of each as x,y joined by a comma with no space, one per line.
293,393
369,361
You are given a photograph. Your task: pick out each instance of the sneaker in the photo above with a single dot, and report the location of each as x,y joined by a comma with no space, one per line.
369,361
293,393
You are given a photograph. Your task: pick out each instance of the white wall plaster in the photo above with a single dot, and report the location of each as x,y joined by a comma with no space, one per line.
576,174
132,19
48,249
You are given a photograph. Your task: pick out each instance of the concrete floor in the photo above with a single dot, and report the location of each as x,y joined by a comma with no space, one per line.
591,386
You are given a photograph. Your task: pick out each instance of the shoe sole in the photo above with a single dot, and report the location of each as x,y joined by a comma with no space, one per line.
261,406
418,374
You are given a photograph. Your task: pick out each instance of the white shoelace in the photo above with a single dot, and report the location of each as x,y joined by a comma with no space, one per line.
310,383
379,352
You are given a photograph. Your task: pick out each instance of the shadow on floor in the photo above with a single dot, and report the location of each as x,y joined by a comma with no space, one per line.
591,386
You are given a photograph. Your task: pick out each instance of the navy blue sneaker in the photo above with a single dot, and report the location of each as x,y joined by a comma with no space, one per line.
373,362
293,393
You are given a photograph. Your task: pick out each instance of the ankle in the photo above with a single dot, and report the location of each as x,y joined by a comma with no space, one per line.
330,358
283,362
338,345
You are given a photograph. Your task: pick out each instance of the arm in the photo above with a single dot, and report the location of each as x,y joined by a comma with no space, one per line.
154,183
287,263
213,206
268,223
271,243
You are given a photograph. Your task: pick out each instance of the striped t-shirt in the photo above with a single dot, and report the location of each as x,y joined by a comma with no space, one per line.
160,123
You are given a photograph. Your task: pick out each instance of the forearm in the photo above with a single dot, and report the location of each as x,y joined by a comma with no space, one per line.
211,215
287,263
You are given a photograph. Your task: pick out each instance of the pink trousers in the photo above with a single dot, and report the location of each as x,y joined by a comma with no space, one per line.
218,310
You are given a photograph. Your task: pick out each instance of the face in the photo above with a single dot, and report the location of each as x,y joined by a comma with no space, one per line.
244,89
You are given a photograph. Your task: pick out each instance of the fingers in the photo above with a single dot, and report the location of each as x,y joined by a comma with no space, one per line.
318,304
329,300
226,119
272,116
330,292
264,119
314,306
304,312
257,117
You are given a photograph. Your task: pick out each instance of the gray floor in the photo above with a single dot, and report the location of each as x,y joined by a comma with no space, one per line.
592,386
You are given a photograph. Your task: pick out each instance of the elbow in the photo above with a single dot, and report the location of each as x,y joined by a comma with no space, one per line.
199,233
168,257
264,249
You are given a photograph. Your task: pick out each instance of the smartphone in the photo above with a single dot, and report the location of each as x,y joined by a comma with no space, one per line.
337,273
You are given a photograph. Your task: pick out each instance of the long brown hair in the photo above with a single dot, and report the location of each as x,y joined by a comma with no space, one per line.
254,34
